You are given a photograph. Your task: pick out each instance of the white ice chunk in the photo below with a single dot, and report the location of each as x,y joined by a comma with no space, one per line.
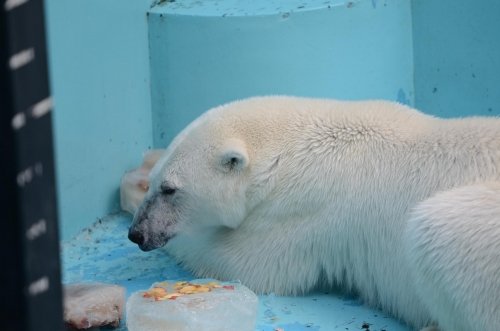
228,306
135,183
93,304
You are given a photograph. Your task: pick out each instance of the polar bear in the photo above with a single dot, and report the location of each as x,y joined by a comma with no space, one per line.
287,194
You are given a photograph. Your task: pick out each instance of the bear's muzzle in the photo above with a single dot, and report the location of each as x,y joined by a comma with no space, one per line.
136,236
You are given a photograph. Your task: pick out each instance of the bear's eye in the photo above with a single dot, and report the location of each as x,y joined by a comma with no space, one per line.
231,163
167,189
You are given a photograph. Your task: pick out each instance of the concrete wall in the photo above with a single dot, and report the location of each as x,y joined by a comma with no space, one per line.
457,56
100,80
207,53
129,75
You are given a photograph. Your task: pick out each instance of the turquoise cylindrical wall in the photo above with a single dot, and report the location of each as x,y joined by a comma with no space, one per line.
204,53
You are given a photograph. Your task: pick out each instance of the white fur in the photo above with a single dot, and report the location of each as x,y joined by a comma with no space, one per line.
453,242
325,197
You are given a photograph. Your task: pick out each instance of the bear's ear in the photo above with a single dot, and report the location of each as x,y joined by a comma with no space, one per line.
233,155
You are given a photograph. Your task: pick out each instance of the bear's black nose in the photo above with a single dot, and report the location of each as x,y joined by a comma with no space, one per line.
136,237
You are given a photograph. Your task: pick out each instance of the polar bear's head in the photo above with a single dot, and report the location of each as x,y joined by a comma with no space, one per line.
202,180
196,185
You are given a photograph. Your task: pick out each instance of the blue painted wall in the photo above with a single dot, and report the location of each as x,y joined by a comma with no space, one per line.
124,82
100,81
457,56
204,53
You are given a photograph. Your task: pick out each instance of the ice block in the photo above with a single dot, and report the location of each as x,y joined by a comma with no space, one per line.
135,183
89,305
198,305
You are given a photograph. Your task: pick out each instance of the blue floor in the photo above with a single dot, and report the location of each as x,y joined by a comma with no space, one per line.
103,253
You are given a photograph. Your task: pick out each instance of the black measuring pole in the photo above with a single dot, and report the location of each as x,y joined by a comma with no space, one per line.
30,284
